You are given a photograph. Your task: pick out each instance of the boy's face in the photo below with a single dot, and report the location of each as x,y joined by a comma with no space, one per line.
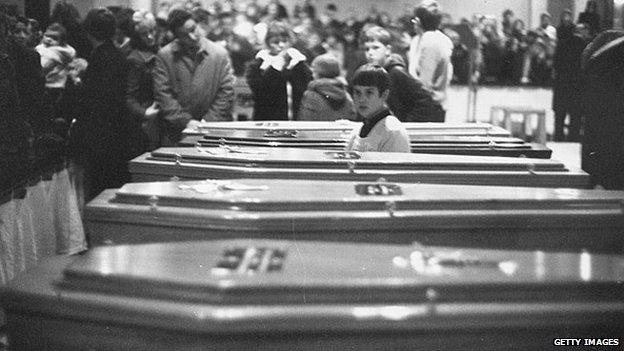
51,38
376,52
368,100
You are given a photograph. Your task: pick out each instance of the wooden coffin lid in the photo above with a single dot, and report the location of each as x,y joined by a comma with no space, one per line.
286,195
281,272
312,158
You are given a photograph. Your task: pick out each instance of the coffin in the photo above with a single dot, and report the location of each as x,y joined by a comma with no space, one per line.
439,138
471,216
283,295
260,129
436,144
312,164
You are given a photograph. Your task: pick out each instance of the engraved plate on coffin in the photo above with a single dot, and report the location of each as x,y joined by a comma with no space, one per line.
222,294
257,162
377,211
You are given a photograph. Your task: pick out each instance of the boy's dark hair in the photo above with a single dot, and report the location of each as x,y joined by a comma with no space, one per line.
101,24
371,75
377,33
280,30
62,32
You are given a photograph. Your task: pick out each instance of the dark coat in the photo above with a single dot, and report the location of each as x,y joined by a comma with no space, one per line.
326,99
409,100
568,82
269,89
102,131
140,95
13,131
30,82
603,139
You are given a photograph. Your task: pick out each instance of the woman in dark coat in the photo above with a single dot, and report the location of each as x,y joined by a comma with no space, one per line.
101,132
568,81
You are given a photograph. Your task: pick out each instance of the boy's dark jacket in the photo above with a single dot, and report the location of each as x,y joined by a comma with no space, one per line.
409,100
326,100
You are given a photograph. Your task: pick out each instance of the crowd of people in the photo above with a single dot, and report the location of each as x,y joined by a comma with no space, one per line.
121,81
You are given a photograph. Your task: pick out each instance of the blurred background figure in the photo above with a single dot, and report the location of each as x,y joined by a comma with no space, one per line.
430,60
27,31
590,18
273,69
139,87
326,98
568,79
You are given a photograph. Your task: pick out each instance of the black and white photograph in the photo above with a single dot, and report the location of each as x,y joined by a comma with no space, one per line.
311,175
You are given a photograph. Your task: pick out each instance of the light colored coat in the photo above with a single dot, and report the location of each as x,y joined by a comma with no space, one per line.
186,88
430,61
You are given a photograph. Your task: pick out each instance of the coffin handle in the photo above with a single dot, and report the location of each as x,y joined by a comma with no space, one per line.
153,203
351,164
391,208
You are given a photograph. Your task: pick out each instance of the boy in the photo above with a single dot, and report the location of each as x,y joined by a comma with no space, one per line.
408,99
327,98
381,131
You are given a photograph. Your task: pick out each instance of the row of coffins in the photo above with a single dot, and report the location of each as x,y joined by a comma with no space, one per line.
346,272
312,164
381,212
434,138
282,295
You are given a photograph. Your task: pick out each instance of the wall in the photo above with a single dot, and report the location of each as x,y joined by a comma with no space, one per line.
457,8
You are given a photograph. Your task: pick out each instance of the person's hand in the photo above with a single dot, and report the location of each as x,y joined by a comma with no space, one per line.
152,111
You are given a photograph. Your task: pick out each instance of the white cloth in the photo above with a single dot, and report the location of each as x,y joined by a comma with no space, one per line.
388,135
44,223
39,197
70,236
278,62
8,261
55,61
